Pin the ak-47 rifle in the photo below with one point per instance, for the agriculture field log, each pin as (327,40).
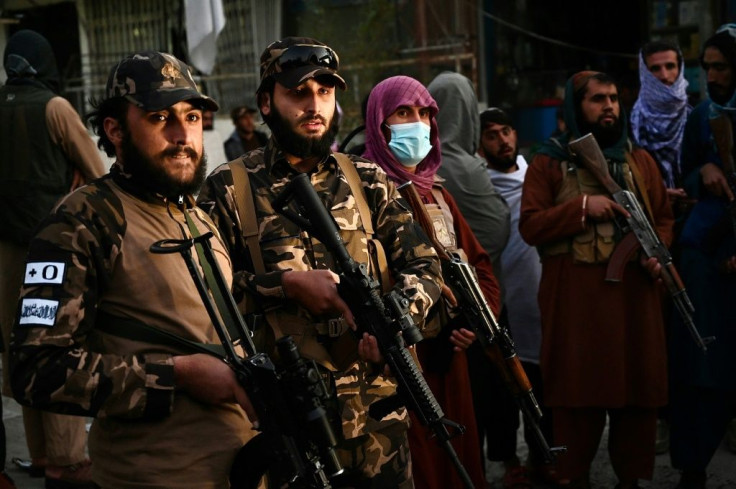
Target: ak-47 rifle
(296,444)
(589,154)
(722,129)
(386,318)
(495,340)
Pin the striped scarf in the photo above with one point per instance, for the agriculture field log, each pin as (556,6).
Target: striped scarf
(658,120)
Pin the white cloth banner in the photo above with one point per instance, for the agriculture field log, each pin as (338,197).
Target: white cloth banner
(205,19)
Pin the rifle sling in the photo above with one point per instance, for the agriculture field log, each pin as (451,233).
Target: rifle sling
(247,213)
(217,294)
(132,329)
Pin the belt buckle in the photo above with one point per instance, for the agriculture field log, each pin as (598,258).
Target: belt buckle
(335,327)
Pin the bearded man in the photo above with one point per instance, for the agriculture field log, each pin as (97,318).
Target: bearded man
(287,275)
(90,275)
(659,114)
(603,343)
(500,419)
(703,397)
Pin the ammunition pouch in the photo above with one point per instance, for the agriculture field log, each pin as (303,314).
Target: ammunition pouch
(444,229)
(330,343)
(595,244)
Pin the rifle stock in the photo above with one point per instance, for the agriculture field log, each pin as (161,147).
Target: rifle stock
(385,318)
(495,340)
(588,153)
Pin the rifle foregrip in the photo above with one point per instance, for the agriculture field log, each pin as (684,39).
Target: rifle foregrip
(425,405)
(676,280)
(522,382)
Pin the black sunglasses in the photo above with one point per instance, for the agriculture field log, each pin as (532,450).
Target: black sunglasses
(300,55)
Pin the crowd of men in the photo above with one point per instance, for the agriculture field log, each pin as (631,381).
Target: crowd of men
(120,281)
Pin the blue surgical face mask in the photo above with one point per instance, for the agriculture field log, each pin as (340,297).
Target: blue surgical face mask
(410,142)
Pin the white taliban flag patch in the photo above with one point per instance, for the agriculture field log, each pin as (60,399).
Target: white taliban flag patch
(38,312)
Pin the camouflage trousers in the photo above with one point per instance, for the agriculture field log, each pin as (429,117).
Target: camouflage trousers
(377,460)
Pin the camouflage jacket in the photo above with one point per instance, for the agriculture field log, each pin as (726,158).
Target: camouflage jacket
(92,255)
(284,246)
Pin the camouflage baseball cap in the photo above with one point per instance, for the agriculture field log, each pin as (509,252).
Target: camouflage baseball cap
(153,81)
(293,60)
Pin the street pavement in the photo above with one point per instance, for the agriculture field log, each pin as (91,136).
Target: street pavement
(722,470)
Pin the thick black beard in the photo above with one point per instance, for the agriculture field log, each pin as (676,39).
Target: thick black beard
(605,135)
(295,144)
(152,177)
(502,164)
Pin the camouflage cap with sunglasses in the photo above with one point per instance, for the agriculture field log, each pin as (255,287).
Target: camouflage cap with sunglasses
(153,81)
(294,60)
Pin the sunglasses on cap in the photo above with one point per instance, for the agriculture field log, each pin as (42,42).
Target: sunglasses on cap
(300,55)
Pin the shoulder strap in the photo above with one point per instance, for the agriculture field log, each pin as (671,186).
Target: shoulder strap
(247,213)
(375,249)
(437,194)
(351,174)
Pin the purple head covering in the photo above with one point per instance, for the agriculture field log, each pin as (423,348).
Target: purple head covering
(384,99)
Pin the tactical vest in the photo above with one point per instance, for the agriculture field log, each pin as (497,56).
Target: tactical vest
(325,342)
(444,230)
(442,221)
(34,172)
(595,244)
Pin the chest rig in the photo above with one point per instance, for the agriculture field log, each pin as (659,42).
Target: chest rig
(444,229)
(596,242)
(327,341)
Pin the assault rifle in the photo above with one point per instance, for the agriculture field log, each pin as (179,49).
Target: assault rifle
(590,156)
(296,439)
(387,318)
(495,340)
(722,129)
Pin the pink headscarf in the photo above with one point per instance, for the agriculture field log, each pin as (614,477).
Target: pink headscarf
(384,99)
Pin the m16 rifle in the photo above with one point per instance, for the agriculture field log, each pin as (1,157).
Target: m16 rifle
(495,340)
(386,318)
(589,154)
(296,445)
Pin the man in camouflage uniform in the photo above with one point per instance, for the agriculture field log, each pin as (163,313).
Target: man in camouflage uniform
(89,275)
(297,287)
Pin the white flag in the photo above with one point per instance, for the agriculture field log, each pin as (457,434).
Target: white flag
(205,20)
